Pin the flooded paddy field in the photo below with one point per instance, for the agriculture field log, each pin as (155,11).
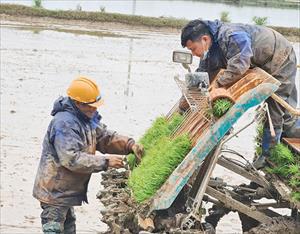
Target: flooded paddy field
(135,73)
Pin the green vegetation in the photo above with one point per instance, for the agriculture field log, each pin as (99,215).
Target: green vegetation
(287,166)
(162,22)
(260,20)
(37,3)
(263,3)
(221,106)
(160,128)
(102,9)
(162,156)
(281,154)
(294,169)
(295,180)
(296,196)
(13,9)
(282,170)
(225,17)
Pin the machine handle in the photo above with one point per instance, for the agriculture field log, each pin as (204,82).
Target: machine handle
(292,110)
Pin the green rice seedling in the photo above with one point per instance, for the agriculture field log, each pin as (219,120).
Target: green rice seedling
(131,160)
(287,163)
(260,20)
(295,182)
(258,150)
(157,165)
(225,17)
(175,121)
(282,171)
(294,169)
(37,3)
(160,128)
(102,9)
(296,196)
(221,106)
(281,155)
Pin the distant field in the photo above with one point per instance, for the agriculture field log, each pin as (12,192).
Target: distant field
(161,22)
(268,3)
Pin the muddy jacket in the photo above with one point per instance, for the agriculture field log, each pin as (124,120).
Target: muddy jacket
(238,47)
(68,158)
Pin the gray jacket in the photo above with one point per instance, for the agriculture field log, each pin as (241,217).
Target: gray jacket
(238,47)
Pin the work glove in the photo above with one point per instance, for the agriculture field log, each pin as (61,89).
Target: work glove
(138,151)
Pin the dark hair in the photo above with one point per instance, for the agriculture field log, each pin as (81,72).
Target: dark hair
(193,30)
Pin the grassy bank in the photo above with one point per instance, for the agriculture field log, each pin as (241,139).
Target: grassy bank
(162,22)
(18,10)
(261,3)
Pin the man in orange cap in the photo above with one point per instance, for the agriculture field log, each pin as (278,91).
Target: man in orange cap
(68,157)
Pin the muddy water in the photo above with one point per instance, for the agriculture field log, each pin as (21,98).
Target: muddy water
(135,75)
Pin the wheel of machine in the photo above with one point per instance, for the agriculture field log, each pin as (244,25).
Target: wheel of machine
(278,225)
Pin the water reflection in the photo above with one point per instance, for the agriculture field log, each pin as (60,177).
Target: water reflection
(38,29)
(179,9)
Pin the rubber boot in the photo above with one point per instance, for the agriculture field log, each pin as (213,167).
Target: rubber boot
(260,162)
(267,142)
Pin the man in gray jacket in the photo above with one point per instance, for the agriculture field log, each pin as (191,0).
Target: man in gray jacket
(238,47)
(68,157)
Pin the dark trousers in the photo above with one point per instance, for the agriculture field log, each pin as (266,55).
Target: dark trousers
(284,123)
(281,118)
(58,219)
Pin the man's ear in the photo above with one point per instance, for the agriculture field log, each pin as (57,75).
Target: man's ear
(206,38)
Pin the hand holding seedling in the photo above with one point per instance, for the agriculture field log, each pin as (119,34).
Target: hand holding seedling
(138,151)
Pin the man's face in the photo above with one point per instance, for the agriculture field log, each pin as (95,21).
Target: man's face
(89,111)
(198,47)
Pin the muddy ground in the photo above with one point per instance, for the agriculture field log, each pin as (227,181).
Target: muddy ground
(135,73)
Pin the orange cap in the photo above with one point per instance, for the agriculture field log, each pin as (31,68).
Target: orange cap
(85,90)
